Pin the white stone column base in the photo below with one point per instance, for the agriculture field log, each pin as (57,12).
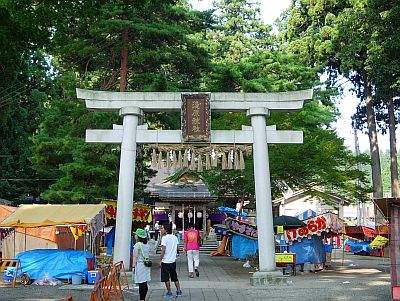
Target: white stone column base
(268,278)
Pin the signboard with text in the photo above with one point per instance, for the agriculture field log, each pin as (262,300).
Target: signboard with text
(285,258)
(241,228)
(196,117)
(316,225)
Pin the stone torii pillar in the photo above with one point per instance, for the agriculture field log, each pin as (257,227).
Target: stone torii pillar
(257,105)
(126,183)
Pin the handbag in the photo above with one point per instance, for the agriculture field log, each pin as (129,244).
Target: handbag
(146,261)
(199,240)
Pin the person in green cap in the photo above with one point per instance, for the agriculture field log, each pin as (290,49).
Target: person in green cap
(142,273)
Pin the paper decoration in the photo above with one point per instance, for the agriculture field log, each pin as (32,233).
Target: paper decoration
(199,214)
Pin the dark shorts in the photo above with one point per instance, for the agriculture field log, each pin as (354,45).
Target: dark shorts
(168,270)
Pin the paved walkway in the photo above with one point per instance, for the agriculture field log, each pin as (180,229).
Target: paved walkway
(223,279)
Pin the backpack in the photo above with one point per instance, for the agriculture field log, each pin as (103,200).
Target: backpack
(146,261)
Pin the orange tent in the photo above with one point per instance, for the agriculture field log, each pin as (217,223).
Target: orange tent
(44,237)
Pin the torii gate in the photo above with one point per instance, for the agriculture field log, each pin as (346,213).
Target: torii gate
(131,105)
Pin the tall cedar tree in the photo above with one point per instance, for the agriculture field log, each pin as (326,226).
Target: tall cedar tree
(159,54)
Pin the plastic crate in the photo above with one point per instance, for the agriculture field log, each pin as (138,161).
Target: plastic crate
(92,276)
(8,276)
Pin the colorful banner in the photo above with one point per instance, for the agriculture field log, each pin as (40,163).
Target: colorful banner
(241,228)
(316,225)
(78,231)
(140,213)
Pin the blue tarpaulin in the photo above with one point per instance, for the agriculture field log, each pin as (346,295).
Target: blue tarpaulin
(241,246)
(231,211)
(358,247)
(60,264)
(309,250)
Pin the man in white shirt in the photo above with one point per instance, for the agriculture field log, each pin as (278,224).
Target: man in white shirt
(169,247)
(156,230)
(147,230)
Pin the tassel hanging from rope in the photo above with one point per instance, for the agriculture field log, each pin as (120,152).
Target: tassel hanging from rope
(192,161)
(160,162)
(199,163)
(208,163)
(230,159)
(241,161)
(174,161)
(179,161)
(168,160)
(214,158)
(236,161)
(223,161)
(154,159)
(186,159)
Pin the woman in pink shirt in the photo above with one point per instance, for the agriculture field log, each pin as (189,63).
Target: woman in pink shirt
(191,249)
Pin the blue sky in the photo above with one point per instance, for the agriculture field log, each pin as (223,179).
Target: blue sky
(270,11)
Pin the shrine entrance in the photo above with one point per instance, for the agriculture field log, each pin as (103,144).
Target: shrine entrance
(195,110)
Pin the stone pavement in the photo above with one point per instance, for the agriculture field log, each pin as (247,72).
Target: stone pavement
(225,279)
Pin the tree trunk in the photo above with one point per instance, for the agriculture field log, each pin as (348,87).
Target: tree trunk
(123,81)
(373,140)
(394,175)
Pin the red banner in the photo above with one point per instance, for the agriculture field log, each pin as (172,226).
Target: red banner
(326,222)
(140,213)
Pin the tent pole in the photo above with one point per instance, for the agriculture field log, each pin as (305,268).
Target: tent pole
(25,238)
(343,250)
(14,240)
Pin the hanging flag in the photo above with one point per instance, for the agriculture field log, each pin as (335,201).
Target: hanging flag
(78,231)
(140,213)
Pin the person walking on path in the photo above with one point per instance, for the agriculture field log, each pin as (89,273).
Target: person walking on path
(156,231)
(191,249)
(147,229)
(169,247)
(142,274)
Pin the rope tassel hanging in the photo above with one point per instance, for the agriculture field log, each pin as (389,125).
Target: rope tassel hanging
(214,158)
(192,161)
(168,159)
(185,159)
(174,161)
(154,159)
(160,162)
(208,163)
(236,161)
(199,163)
(230,158)
(223,161)
(241,161)
(179,162)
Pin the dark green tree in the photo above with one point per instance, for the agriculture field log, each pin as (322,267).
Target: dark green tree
(120,45)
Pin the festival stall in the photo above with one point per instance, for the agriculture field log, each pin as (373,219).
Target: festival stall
(141,216)
(16,240)
(244,238)
(313,243)
(359,240)
(82,218)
